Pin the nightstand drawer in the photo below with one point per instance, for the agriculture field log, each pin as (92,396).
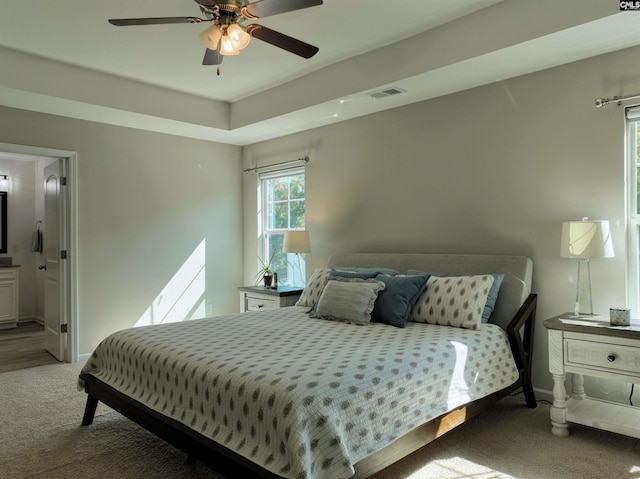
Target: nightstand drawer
(255,298)
(257,303)
(602,355)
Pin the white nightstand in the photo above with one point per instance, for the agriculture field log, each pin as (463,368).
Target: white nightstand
(254,298)
(589,346)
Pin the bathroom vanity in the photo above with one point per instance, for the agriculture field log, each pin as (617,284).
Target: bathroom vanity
(9,276)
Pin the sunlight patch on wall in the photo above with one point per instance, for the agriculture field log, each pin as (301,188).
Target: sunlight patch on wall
(183,296)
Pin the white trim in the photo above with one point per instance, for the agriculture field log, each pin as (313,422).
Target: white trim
(263,219)
(543,395)
(632,219)
(633,113)
(71,233)
(82,358)
(268,175)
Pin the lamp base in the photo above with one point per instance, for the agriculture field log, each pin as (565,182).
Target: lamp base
(584,303)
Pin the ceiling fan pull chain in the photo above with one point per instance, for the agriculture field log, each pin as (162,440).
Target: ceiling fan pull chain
(218,70)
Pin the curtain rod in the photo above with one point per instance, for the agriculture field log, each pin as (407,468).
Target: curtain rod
(305,159)
(600,102)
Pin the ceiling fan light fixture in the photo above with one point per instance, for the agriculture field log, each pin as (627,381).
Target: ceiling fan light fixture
(211,36)
(239,38)
(227,33)
(227,47)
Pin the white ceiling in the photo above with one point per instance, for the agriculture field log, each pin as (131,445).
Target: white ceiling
(426,47)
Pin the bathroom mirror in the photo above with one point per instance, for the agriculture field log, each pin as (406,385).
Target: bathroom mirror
(3,221)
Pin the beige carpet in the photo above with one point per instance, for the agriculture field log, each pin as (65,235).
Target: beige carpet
(41,437)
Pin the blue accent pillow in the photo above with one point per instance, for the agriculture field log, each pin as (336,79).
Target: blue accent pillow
(352,274)
(491,298)
(396,300)
(359,269)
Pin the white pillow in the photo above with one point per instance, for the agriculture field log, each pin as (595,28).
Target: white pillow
(348,299)
(314,287)
(453,301)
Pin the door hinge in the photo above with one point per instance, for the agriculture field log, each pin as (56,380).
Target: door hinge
(63,328)
(63,181)
(63,254)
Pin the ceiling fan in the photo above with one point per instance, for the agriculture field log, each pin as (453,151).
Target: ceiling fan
(227,33)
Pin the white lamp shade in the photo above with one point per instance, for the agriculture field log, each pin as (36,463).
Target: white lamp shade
(296,242)
(210,37)
(239,38)
(227,46)
(586,239)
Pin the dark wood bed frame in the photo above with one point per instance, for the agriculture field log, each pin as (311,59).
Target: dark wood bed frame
(227,462)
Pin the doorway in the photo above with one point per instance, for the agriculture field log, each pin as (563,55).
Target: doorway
(61,263)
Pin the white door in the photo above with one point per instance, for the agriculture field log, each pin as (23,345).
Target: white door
(54,288)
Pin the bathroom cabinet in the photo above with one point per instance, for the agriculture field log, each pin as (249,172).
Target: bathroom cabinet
(9,297)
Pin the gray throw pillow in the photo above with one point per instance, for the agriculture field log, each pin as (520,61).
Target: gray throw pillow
(348,299)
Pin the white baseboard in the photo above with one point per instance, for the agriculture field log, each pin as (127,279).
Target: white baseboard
(26,319)
(83,358)
(543,395)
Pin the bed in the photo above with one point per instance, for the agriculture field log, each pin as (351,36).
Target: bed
(286,393)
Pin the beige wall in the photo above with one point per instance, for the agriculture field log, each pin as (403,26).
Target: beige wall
(151,208)
(495,169)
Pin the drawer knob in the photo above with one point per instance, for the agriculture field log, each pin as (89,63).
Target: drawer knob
(611,358)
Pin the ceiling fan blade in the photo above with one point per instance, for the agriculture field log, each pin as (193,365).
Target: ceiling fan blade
(212,57)
(282,41)
(126,22)
(266,8)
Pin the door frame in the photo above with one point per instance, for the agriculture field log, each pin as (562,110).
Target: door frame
(70,227)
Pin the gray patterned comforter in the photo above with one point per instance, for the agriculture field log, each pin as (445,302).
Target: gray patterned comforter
(302,397)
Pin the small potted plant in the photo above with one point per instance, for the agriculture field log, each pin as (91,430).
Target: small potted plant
(265,272)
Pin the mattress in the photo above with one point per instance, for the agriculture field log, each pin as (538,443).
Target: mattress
(303,397)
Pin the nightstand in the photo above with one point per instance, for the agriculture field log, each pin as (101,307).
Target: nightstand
(590,346)
(254,298)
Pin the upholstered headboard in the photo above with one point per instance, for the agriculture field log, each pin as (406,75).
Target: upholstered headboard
(515,287)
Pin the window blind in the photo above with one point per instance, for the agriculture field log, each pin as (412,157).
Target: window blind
(281,172)
(633,113)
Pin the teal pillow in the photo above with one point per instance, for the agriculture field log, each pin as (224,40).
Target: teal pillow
(339,273)
(491,298)
(360,269)
(395,301)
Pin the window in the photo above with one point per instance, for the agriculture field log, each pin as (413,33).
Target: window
(633,208)
(282,208)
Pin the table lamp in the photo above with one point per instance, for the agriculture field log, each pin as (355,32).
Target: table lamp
(584,240)
(297,241)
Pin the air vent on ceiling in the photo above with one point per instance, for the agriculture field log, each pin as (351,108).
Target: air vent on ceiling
(394,90)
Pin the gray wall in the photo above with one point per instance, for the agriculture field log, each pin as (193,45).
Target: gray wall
(493,170)
(155,212)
